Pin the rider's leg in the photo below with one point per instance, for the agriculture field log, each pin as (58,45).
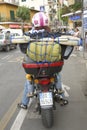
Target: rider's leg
(28,88)
(59,85)
(62,99)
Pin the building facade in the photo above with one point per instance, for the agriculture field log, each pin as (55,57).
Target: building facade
(50,7)
(74,17)
(7,11)
(8,16)
(47,6)
(11,1)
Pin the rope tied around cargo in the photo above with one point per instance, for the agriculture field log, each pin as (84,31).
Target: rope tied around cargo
(44,51)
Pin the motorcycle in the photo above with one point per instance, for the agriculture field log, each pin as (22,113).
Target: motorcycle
(43,77)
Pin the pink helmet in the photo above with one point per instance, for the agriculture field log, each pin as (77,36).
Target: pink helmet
(40,19)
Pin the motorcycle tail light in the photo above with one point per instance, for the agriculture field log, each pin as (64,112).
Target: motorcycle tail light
(44,81)
(36,81)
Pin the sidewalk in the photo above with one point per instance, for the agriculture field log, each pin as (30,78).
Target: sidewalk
(83,61)
(83,56)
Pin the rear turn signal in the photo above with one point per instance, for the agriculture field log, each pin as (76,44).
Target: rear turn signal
(52,80)
(36,81)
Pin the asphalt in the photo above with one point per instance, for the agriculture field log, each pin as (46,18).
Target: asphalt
(73,116)
(74,112)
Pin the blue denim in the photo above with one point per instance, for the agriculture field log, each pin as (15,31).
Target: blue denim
(59,83)
(29,88)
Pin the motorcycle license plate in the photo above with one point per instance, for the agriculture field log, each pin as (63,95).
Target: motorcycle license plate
(46,98)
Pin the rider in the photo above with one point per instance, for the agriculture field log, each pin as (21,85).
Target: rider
(40,22)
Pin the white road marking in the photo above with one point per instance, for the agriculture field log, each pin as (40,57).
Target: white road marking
(22,114)
(5,57)
(9,56)
(8,115)
(65,88)
(74,55)
(18,59)
(20,118)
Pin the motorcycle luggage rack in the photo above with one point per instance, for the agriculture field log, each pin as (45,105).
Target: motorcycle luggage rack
(37,68)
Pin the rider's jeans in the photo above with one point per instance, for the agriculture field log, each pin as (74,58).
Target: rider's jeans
(59,83)
(29,88)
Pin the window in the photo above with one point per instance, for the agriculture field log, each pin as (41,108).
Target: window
(32,7)
(23,0)
(49,0)
(12,16)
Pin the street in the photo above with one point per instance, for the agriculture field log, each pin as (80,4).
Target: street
(12,78)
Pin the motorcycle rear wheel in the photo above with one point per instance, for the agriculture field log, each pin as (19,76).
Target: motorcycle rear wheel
(47,117)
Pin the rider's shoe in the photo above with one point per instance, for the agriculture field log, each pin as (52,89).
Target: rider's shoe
(63,102)
(20,105)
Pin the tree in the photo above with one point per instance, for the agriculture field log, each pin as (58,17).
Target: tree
(23,13)
(71,9)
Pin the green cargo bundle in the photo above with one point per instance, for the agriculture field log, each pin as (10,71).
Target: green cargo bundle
(44,51)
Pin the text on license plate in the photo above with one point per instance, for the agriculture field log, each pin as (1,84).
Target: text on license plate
(46,98)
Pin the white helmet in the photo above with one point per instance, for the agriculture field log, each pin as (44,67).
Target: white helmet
(40,19)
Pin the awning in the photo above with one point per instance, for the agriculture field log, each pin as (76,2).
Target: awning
(14,26)
(19,26)
(2,27)
(69,14)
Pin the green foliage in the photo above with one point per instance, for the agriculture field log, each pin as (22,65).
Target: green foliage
(71,8)
(65,20)
(23,13)
(65,10)
(76,6)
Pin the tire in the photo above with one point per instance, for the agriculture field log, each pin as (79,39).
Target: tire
(47,117)
(7,48)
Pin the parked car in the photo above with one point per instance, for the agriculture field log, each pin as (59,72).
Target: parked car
(14,34)
(5,42)
(13,31)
